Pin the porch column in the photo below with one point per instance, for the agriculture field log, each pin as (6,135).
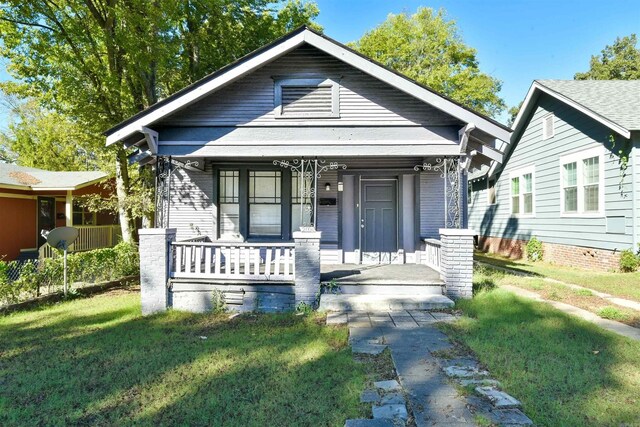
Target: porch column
(155,257)
(307,266)
(68,209)
(456,261)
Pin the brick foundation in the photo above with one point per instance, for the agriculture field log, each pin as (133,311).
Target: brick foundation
(572,256)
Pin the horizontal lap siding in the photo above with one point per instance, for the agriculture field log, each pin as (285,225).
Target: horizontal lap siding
(574,132)
(328,215)
(192,208)
(431,204)
(363,99)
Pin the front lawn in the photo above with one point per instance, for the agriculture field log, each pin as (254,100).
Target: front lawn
(624,285)
(566,371)
(97,361)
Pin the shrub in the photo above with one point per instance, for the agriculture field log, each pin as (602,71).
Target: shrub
(30,279)
(628,261)
(535,251)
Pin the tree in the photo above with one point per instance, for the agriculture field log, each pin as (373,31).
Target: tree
(48,140)
(513,113)
(620,61)
(429,49)
(98,62)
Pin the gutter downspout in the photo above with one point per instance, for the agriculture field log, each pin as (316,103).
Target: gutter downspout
(634,204)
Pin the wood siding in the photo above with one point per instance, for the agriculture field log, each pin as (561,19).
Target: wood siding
(192,209)
(431,204)
(18,231)
(574,132)
(363,99)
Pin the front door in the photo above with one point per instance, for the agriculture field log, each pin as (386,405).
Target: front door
(379,221)
(46,217)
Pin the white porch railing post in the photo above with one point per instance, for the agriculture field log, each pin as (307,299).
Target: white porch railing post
(307,266)
(456,261)
(155,263)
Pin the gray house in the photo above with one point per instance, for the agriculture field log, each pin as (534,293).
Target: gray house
(300,159)
(571,176)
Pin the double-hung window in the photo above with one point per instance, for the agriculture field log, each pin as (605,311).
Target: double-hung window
(229,195)
(582,181)
(265,211)
(522,194)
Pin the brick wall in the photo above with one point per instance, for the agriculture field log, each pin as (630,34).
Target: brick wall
(572,256)
(456,261)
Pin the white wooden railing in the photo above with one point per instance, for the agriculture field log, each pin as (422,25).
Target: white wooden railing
(431,254)
(89,237)
(233,261)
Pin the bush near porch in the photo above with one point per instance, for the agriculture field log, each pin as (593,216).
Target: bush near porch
(19,282)
(97,361)
(565,371)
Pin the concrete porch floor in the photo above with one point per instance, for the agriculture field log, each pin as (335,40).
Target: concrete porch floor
(380,274)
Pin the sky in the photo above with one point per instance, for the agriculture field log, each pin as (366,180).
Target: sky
(517,40)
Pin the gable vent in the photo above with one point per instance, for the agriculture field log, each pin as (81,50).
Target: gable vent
(302,100)
(548,126)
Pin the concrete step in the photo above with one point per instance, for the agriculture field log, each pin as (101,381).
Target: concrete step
(375,303)
(393,290)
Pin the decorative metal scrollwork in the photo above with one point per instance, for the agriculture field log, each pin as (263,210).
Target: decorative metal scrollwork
(165,168)
(309,171)
(450,171)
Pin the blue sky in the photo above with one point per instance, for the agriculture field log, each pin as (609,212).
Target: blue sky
(517,40)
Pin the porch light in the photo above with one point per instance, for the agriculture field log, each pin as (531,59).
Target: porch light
(327,187)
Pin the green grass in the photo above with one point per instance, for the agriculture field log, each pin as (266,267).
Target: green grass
(612,313)
(97,361)
(625,285)
(566,371)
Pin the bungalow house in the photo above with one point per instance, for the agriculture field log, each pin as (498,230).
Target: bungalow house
(571,176)
(35,200)
(300,159)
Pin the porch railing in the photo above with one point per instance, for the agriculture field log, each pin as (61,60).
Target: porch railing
(431,254)
(233,261)
(89,237)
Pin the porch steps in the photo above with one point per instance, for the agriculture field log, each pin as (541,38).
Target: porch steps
(393,290)
(375,303)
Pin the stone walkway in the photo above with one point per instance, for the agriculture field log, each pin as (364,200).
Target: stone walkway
(414,343)
(610,325)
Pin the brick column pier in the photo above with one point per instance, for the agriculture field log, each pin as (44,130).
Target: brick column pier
(154,268)
(307,274)
(456,261)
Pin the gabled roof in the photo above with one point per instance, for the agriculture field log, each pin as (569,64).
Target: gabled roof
(280,47)
(25,178)
(614,103)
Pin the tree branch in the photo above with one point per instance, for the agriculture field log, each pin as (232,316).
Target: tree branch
(27,24)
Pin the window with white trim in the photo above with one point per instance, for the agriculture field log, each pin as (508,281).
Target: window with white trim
(265,211)
(548,126)
(582,180)
(312,98)
(522,194)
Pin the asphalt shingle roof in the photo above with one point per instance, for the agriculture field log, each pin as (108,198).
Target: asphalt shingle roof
(615,100)
(38,178)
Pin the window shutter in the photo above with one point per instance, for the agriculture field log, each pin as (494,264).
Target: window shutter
(306,100)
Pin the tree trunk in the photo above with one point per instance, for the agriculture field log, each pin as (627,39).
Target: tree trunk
(122,190)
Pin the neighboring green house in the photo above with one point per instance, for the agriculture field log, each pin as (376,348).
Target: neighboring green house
(571,175)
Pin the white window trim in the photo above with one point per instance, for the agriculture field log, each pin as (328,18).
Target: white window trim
(279,82)
(578,158)
(495,191)
(518,173)
(544,126)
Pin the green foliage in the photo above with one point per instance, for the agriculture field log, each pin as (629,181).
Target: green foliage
(218,303)
(535,251)
(612,313)
(330,287)
(428,48)
(629,261)
(88,267)
(513,113)
(620,61)
(304,308)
